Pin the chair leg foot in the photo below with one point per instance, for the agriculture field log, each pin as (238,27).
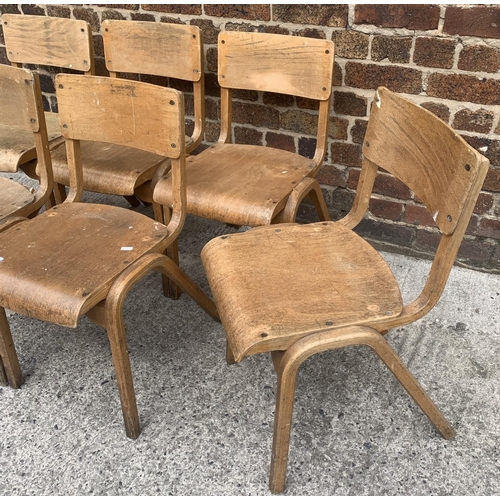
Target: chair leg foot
(287,376)
(9,363)
(121,361)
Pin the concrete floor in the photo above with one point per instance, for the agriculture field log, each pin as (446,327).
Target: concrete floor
(207,427)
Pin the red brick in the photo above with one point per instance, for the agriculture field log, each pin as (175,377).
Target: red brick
(489,228)
(299,121)
(332,176)
(252,12)
(212,85)
(395,78)
(348,103)
(171,20)
(318,15)
(304,103)
(3,56)
(342,201)
(277,30)
(58,11)
(188,9)
(386,232)
(7,8)
(245,95)
(98,45)
(358,131)
(256,115)
(386,209)
(464,88)
(337,75)
(434,52)
(244,135)
(212,131)
(124,6)
(427,241)
(311,33)
(484,203)
(307,147)
(212,59)
(280,100)
(112,14)
(475,250)
(474,121)
(492,151)
(479,58)
(418,214)
(211,109)
(478,21)
(337,128)
(32,10)
(385,184)
(395,49)
(346,154)
(492,181)
(280,141)
(413,17)
(350,44)
(472,225)
(440,110)
(140,16)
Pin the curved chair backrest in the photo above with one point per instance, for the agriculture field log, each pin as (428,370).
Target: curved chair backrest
(49,41)
(276,63)
(424,153)
(21,108)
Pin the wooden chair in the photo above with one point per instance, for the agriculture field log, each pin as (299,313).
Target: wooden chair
(21,114)
(250,185)
(81,258)
(297,290)
(159,49)
(46,41)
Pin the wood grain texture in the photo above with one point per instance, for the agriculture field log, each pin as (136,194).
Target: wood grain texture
(108,168)
(430,160)
(84,103)
(68,241)
(49,41)
(331,277)
(161,49)
(238,184)
(17,145)
(13,196)
(276,63)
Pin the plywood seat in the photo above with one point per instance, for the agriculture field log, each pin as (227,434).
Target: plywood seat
(239,184)
(108,168)
(341,280)
(89,245)
(13,197)
(17,146)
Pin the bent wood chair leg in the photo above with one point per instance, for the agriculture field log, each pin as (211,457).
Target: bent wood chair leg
(133,200)
(307,187)
(3,375)
(59,193)
(170,289)
(9,363)
(333,339)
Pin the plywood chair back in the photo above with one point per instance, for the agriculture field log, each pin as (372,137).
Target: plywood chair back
(297,66)
(159,49)
(441,169)
(44,41)
(152,119)
(48,41)
(21,109)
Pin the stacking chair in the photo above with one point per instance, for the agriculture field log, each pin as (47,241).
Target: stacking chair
(46,41)
(21,114)
(158,49)
(297,290)
(80,259)
(250,185)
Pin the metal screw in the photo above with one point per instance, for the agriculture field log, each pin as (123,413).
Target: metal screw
(82,30)
(61,86)
(65,126)
(171,103)
(84,294)
(32,120)
(264,334)
(327,51)
(195,71)
(173,145)
(388,313)
(324,89)
(222,41)
(467,167)
(367,144)
(223,76)
(27,82)
(106,29)
(329,323)
(85,61)
(278,230)
(194,36)
(449,218)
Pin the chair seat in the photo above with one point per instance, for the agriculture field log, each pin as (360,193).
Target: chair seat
(108,168)
(275,284)
(17,147)
(238,184)
(80,249)
(13,196)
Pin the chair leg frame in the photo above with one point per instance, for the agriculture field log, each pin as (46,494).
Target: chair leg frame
(9,364)
(116,328)
(288,363)
(307,187)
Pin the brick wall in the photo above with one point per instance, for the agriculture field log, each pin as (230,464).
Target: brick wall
(444,57)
